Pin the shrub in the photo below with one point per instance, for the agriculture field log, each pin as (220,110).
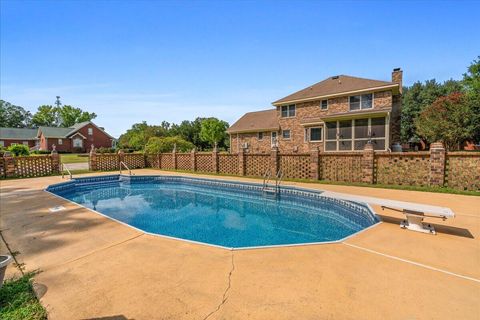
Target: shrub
(19,150)
(105,150)
(160,145)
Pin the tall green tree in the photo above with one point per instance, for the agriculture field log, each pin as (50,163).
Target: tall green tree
(69,115)
(13,116)
(46,116)
(138,135)
(213,131)
(450,119)
(471,82)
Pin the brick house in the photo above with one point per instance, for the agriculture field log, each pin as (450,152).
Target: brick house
(77,138)
(341,113)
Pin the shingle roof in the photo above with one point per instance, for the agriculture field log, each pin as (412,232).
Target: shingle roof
(334,86)
(79,125)
(54,132)
(18,133)
(256,121)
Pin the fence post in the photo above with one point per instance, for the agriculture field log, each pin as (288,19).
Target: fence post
(92,159)
(174,156)
(120,158)
(274,163)
(437,164)
(315,164)
(193,160)
(9,164)
(241,162)
(55,161)
(159,161)
(368,164)
(215,158)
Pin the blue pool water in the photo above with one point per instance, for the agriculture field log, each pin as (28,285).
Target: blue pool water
(227,214)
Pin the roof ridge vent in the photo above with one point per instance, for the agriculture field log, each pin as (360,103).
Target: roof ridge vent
(335,77)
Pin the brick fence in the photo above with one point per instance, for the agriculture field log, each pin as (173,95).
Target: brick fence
(33,166)
(458,170)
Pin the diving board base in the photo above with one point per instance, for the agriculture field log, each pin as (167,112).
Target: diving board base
(415,223)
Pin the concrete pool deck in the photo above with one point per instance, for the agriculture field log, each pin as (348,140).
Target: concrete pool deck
(93,267)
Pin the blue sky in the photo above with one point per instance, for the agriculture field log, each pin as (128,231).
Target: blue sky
(130,61)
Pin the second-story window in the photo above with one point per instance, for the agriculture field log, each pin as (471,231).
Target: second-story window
(90,131)
(286,134)
(288,111)
(364,101)
(324,105)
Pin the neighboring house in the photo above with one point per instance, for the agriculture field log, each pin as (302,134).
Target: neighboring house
(9,136)
(77,138)
(339,114)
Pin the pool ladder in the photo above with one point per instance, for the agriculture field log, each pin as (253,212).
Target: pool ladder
(269,188)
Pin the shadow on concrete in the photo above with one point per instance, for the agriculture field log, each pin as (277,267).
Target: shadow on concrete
(439,228)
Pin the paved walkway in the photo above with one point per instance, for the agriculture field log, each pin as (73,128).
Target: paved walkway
(93,267)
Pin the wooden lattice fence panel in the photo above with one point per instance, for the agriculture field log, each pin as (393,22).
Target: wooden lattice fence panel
(407,168)
(166,161)
(204,162)
(228,163)
(2,168)
(152,161)
(295,166)
(257,164)
(346,167)
(184,161)
(134,160)
(462,170)
(33,166)
(107,161)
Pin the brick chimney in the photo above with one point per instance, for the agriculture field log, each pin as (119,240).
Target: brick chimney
(397,77)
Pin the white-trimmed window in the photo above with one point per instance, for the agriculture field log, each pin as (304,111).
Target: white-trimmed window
(2,143)
(60,142)
(360,102)
(286,134)
(288,111)
(260,136)
(324,105)
(90,131)
(314,134)
(25,143)
(77,143)
(348,135)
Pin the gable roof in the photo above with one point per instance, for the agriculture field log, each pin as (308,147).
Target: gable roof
(54,132)
(333,86)
(256,121)
(18,133)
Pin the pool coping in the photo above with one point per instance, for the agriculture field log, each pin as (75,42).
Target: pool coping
(219,246)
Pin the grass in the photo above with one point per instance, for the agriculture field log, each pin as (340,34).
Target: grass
(18,301)
(354,184)
(73,158)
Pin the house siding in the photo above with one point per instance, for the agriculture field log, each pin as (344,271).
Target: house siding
(8,142)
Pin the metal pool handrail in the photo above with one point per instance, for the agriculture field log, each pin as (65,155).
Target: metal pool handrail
(278,179)
(64,167)
(125,165)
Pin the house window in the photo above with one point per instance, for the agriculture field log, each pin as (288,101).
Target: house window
(2,143)
(347,135)
(77,143)
(60,141)
(90,131)
(315,134)
(260,136)
(25,143)
(274,139)
(324,105)
(364,101)
(288,111)
(286,134)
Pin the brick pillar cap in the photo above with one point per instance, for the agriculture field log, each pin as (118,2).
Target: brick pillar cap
(437,145)
(121,151)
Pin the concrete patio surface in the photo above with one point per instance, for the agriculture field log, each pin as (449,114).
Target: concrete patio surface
(94,268)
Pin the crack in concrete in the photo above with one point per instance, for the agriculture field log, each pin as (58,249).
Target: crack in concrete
(12,253)
(225,297)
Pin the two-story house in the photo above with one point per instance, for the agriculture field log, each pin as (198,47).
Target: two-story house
(339,114)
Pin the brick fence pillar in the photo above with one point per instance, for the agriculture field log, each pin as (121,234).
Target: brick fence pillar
(193,159)
(174,156)
(215,158)
(315,164)
(159,161)
(120,158)
(274,163)
(437,164)
(9,164)
(368,164)
(92,159)
(241,162)
(55,161)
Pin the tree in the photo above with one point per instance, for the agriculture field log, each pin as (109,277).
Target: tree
(213,130)
(450,119)
(46,116)
(166,144)
(138,135)
(69,115)
(471,82)
(12,116)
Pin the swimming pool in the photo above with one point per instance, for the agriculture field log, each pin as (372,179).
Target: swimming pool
(217,212)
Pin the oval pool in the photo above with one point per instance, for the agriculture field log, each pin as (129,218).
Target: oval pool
(218,212)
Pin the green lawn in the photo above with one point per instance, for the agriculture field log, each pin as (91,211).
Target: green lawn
(18,302)
(73,157)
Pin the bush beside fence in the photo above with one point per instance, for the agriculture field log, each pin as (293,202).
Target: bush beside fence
(436,168)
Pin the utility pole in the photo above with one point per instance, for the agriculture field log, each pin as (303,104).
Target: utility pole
(58,103)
